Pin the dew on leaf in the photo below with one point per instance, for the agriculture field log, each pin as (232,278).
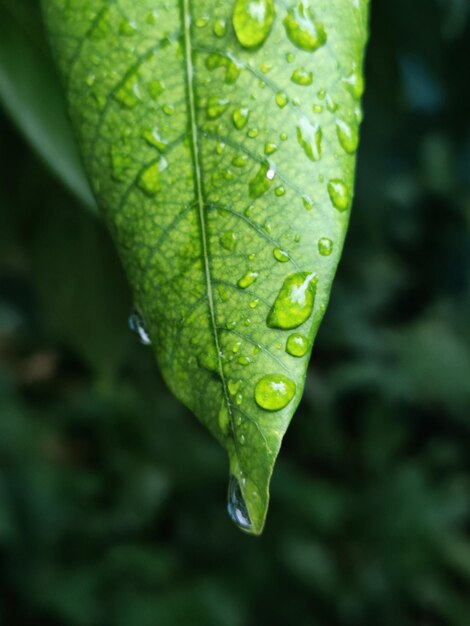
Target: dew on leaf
(262,181)
(294,303)
(216,107)
(354,83)
(155,88)
(128,95)
(297,345)
(240,160)
(309,137)
(244,360)
(274,392)
(252,21)
(153,138)
(307,202)
(220,27)
(339,194)
(281,99)
(280,255)
(280,191)
(149,180)
(236,506)
(232,67)
(228,240)
(224,419)
(252,133)
(240,117)
(247,279)
(303,29)
(302,77)
(137,325)
(325,246)
(348,136)
(168,109)
(270,148)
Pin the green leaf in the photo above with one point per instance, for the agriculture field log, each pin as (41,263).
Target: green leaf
(220,140)
(31,94)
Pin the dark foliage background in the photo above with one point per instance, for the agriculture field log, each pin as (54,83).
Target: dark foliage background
(112,495)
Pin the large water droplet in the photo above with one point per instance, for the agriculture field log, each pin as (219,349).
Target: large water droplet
(348,136)
(137,325)
(262,180)
(236,505)
(294,303)
(303,29)
(297,345)
(274,391)
(252,21)
(339,194)
(309,137)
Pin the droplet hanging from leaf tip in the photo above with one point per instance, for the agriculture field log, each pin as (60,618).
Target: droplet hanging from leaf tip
(236,506)
(137,325)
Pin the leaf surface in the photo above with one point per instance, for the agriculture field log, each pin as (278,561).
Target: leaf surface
(220,139)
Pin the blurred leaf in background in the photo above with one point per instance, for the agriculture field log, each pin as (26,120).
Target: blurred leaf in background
(109,492)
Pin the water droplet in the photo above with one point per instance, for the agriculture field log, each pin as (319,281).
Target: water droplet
(216,107)
(309,137)
(228,240)
(220,147)
(220,27)
(307,202)
(201,21)
(223,293)
(274,391)
(233,386)
(127,27)
(270,148)
(281,255)
(290,57)
(240,117)
(325,246)
(137,325)
(348,136)
(153,138)
(265,67)
(236,506)
(317,108)
(247,280)
(281,99)
(339,194)
(331,105)
(121,162)
(294,303)
(149,180)
(236,346)
(302,29)
(232,67)
(302,77)
(244,360)
(297,345)
(262,180)
(240,160)
(128,95)
(168,109)
(155,88)
(252,21)
(354,83)
(224,419)
(254,303)
(280,191)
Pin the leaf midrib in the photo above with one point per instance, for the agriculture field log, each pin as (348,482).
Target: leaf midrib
(186,17)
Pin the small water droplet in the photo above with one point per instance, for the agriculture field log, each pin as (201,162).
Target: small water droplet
(354,83)
(302,77)
(128,95)
(274,392)
(281,99)
(232,67)
(228,240)
(348,136)
(155,88)
(220,27)
(270,148)
(262,180)
(294,303)
(252,133)
(216,107)
(224,419)
(244,360)
(240,117)
(325,246)
(280,191)
(247,280)
(149,180)
(236,506)
(303,29)
(309,137)
(240,160)
(307,202)
(265,67)
(168,109)
(331,105)
(153,138)
(127,27)
(202,21)
(137,325)
(280,255)
(252,21)
(339,194)
(297,345)
(233,386)
(254,303)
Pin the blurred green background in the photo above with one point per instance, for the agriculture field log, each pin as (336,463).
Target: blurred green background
(112,495)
